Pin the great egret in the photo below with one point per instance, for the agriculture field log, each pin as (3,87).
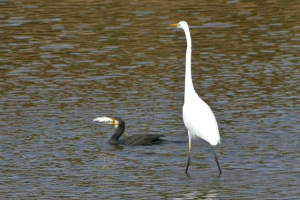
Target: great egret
(198,118)
(140,139)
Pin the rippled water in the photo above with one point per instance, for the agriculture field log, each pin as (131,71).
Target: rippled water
(63,63)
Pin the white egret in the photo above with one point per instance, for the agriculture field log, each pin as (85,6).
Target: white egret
(139,139)
(198,118)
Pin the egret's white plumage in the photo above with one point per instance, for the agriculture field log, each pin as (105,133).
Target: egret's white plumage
(197,115)
(203,125)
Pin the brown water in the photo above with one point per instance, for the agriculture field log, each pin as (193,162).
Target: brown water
(66,62)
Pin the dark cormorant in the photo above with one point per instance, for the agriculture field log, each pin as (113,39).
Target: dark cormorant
(139,139)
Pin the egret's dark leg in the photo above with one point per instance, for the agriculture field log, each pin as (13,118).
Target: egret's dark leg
(189,156)
(216,159)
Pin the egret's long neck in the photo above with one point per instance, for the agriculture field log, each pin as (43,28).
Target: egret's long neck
(189,88)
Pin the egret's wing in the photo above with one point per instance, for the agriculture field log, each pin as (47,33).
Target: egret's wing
(200,121)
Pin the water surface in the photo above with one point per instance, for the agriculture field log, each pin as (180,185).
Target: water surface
(63,63)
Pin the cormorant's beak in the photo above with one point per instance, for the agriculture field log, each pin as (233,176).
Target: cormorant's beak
(174,25)
(114,122)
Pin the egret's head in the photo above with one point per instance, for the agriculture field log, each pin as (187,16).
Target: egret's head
(110,120)
(181,25)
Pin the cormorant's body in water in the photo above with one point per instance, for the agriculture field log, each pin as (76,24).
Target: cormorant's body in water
(139,139)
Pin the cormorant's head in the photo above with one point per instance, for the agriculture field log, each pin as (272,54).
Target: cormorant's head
(110,120)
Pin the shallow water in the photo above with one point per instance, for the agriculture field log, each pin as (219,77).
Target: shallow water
(64,63)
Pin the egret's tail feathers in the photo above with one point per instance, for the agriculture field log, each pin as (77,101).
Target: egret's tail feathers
(103,119)
(215,142)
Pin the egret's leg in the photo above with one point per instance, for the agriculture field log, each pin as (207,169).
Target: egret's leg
(216,159)
(189,155)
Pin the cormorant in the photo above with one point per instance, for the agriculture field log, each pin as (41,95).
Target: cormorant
(139,139)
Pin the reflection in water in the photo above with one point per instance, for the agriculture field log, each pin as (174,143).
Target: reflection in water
(62,63)
(210,194)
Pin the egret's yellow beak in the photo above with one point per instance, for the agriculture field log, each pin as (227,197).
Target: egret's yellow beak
(174,25)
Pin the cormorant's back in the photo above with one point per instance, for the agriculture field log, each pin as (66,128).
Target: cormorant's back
(143,139)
